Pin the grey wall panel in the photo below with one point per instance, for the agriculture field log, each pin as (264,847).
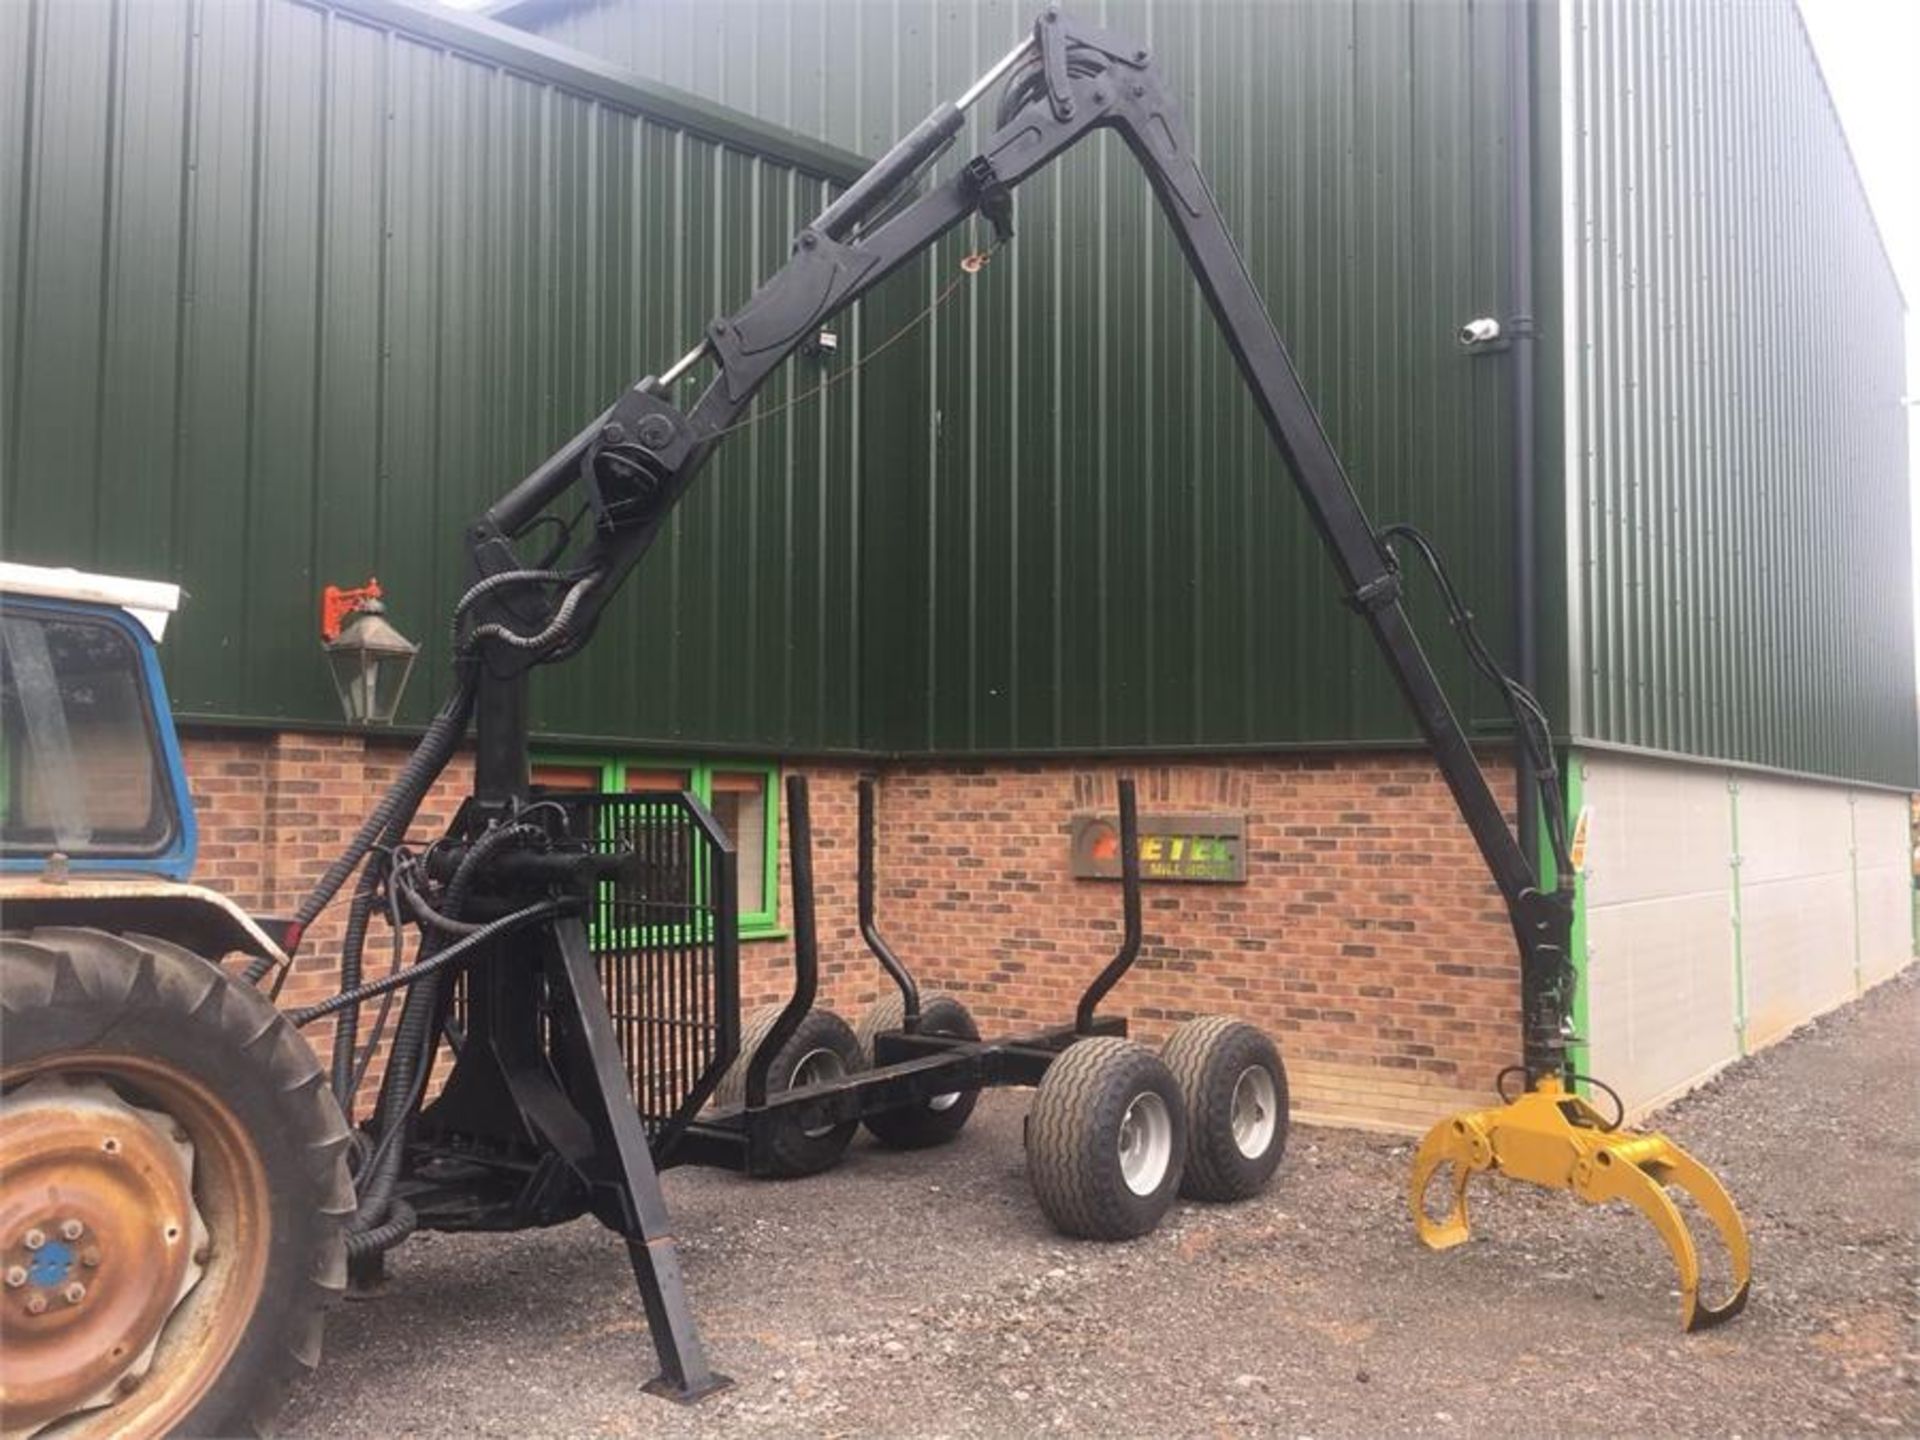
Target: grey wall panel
(1076,534)
(295,289)
(1739,522)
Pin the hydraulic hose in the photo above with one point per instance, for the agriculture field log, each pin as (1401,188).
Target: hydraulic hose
(414,1041)
(402,1223)
(500,581)
(346,1031)
(1533,734)
(470,937)
(555,629)
(402,799)
(427,915)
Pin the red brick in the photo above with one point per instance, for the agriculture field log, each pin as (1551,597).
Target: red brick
(1366,897)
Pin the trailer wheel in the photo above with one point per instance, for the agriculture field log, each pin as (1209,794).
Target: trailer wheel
(1106,1140)
(173,1182)
(939,1119)
(823,1048)
(1236,1089)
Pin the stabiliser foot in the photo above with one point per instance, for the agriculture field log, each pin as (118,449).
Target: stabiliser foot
(622,1145)
(1555,1139)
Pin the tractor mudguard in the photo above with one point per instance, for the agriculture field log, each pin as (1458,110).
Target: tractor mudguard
(1555,1139)
(204,921)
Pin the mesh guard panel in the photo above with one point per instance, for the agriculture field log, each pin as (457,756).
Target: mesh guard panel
(665,939)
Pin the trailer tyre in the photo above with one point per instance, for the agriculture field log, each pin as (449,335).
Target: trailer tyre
(1106,1140)
(941,1118)
(1236,1089)
(171,1144)
(823,1048)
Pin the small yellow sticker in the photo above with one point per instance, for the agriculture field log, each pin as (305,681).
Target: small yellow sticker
(1577,851)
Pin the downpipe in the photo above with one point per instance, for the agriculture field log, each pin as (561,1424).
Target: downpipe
(1522,332)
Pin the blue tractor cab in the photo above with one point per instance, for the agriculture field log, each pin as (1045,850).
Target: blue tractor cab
(90,765)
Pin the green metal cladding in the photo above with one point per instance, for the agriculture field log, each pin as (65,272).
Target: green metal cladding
(293,289)
(1078,535)
(1729,574)
(1736,445)
(299,288)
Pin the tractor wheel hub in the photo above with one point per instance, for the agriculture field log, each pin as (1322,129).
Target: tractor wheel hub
(100,1241)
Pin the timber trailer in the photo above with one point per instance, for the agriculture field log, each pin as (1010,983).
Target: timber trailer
(183,1187)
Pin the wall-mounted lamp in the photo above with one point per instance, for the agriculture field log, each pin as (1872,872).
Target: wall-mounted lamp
(370,660)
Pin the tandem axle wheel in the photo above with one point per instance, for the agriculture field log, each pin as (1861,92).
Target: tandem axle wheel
(1116,1132)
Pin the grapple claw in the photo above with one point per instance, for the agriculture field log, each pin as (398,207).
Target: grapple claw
(1461,1142)
(1637,1168)
(1554,1139)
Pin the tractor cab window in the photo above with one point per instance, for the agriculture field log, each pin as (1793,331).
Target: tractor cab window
(79,768)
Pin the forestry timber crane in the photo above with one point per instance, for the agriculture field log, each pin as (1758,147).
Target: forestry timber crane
(180,1182)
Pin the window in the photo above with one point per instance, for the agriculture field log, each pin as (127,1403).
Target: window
(738,799)
(78,766)
(742,797)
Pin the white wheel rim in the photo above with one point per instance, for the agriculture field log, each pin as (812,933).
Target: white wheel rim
(812,1068)
(1145,1143)
(1256,1111)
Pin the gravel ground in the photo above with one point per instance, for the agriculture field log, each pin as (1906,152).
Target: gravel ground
(924,1294)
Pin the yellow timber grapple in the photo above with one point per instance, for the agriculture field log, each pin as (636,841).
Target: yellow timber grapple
(1556,1139)
(1548,1134)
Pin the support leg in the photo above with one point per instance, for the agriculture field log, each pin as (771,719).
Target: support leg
(684,1374)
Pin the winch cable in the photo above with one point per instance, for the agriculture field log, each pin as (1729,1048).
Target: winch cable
(971,264)
(554,638)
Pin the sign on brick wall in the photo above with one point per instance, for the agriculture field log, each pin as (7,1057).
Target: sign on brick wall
(1206,848)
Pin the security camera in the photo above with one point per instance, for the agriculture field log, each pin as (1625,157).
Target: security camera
(1483,331)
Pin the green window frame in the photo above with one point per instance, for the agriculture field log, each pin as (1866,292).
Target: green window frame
(759,924)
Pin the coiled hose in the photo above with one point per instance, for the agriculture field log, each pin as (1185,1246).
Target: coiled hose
(414,1041)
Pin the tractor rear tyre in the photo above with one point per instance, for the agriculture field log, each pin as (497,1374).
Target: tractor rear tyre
(1106,1140)
(823,1048)
(1236,1089)
(173,1183)
(933,1121)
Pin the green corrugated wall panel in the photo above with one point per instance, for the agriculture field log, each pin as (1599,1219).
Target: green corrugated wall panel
(291,289)
(292,293)
(1735,431)
(1076,534)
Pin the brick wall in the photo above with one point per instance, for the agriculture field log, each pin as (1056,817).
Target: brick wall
(274,810)
(1368,940)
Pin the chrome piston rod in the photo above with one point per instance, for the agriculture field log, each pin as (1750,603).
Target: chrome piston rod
(888,174)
